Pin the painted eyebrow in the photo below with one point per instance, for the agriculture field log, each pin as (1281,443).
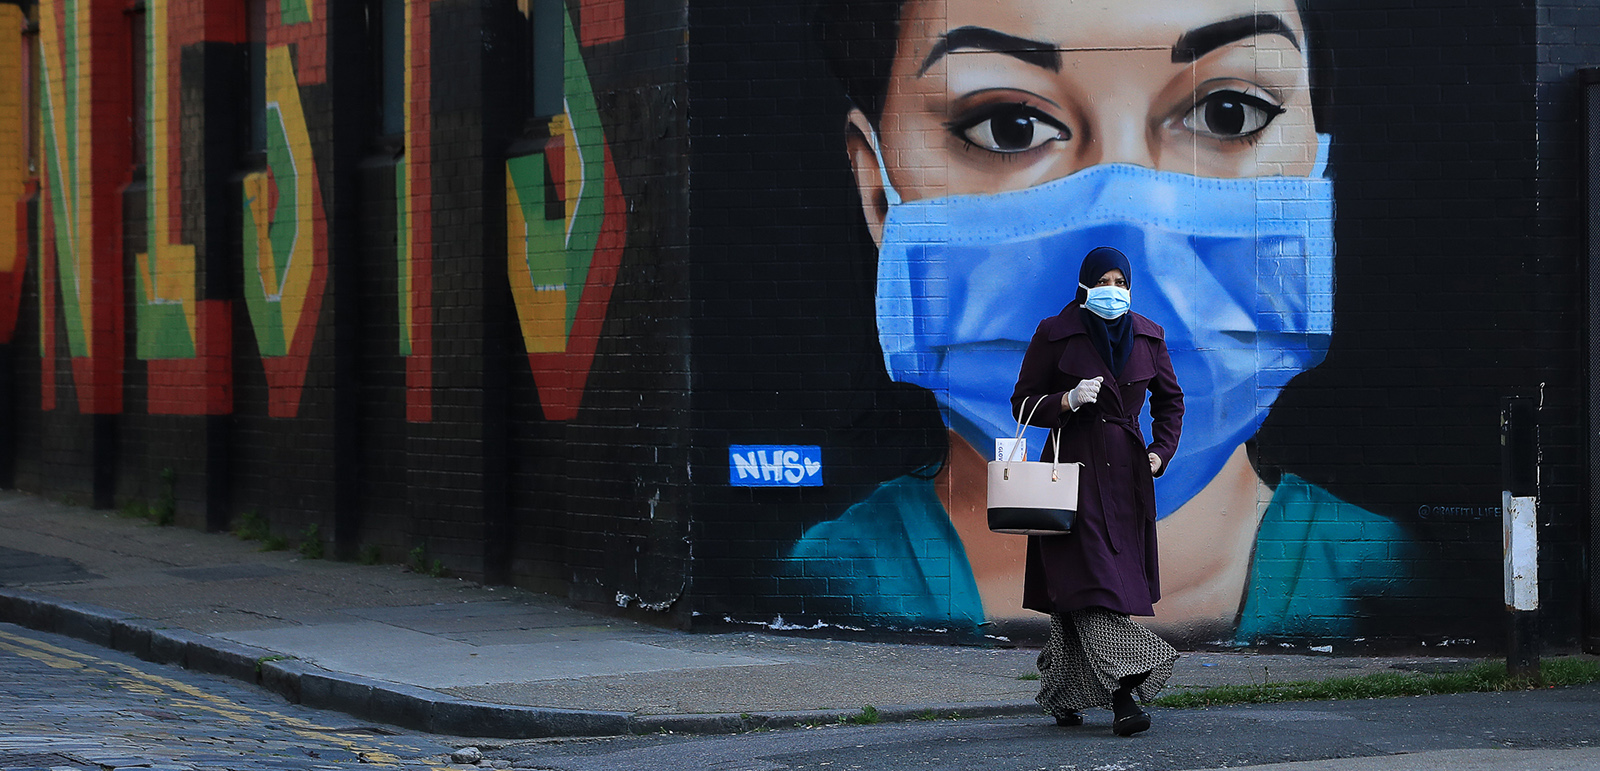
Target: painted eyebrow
(1203,40)
(1033,52)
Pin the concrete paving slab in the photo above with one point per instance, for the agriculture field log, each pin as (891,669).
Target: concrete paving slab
(228,572)
(466,617)
(385,652)
(550,634)
(816,685)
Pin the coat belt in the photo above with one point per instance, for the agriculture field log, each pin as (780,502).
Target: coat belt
(1130,424)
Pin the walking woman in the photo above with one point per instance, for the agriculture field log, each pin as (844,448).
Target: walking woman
(1087,369)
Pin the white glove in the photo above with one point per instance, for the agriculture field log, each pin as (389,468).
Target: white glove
(1086,392)
(1155,463)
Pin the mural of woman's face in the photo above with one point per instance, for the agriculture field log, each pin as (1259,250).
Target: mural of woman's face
(987,96)
(1018,134)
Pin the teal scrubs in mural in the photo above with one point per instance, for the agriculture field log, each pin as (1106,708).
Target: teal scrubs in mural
(899,558)
(1316,556)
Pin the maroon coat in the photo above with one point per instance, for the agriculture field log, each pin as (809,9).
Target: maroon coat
(1109,559)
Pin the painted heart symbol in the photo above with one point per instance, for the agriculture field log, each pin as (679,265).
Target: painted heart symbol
(812,467)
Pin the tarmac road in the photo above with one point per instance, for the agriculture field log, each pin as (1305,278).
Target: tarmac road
(1555,729)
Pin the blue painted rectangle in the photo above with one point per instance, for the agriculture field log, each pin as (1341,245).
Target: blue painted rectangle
(775,465)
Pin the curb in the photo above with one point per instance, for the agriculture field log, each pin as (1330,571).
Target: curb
(409,706)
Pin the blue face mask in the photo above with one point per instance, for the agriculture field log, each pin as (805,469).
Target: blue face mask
(1239,272)
(1107,302)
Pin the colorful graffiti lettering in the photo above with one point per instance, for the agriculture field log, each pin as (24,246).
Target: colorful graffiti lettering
(601,21)
(564,240)
(186,341)
(14,180)
(284,246)
(65,104)
(414,213)
(166,270)
(81,211)
(295,11)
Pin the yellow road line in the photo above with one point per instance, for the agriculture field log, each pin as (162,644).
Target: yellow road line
(42,645)
(149,684)
(45,658)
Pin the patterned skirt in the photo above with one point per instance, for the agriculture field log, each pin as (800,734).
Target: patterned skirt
(1089,651)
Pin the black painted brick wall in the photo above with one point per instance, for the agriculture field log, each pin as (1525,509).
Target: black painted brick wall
(742,313)
(589,508)
(1433,156)
(1568,40)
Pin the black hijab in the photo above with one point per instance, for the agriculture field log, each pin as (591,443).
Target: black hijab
(1113,339)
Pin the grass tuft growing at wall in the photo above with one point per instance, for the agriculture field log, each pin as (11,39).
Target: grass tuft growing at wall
(1481,678)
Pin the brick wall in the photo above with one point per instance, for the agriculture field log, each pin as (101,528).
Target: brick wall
(521,339)
(373,383)
(1453,143)
(1568,39)
(1434,160)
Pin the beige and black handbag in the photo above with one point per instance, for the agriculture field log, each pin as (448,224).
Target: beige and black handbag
(1033,497)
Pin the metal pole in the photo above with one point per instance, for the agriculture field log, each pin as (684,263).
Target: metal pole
(1519,473)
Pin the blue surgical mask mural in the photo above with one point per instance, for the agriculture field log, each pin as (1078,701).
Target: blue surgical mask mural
(988,164)
(1239,272)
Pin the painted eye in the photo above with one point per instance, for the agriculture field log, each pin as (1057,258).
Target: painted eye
(1012,128)
(1231,115)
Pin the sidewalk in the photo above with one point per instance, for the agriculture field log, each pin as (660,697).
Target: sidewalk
(452,657)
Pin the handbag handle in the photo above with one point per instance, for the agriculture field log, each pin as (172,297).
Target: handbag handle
(1022,426)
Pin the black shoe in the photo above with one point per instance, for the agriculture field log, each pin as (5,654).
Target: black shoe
(1131,723)
(1072,718)
(1128,718)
